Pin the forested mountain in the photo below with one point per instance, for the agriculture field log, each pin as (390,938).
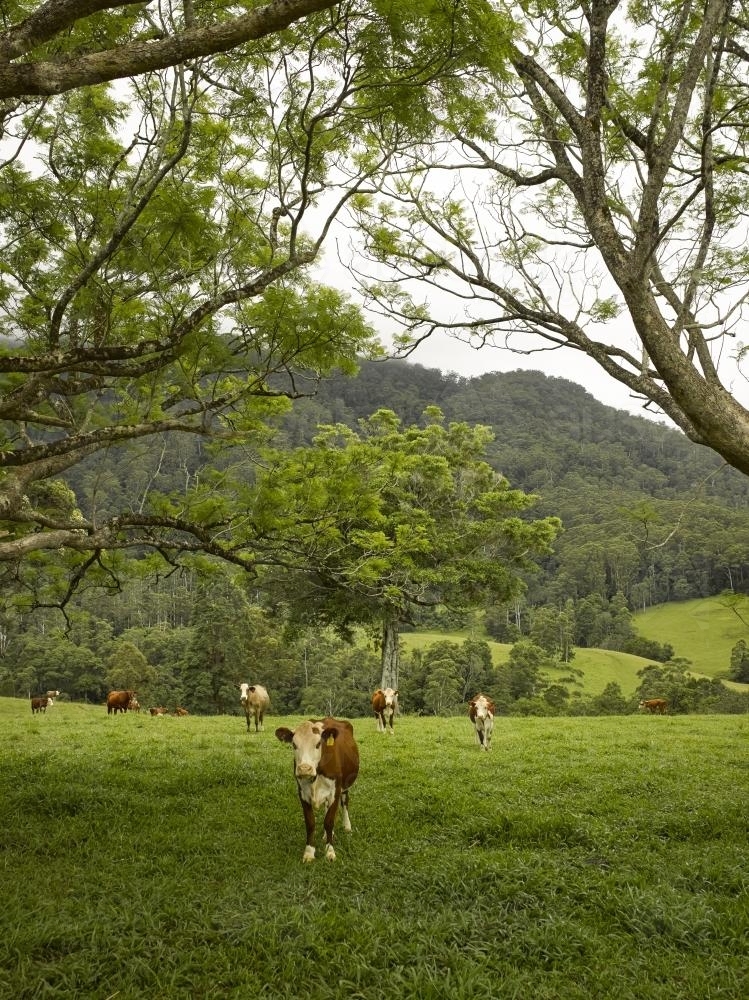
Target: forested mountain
(648,517)
(647,513)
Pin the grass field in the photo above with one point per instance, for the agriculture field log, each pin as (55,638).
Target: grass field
(704,631)
(580,858)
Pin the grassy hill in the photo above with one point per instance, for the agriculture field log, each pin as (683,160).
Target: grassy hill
(703,631)
(599,666)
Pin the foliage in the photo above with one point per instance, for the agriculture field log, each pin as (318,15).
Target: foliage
(586,192)
(156,280)
(380,522)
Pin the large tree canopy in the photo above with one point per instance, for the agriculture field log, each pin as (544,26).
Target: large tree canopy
(587,190)
(156,242)
(378,523)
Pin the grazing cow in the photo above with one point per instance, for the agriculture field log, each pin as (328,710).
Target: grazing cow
(481,713)
(180,711)
(326,763)
(255,701)
(158,711)
(119,701)
(384,704)
(39,705)
(656,706)
(134,705)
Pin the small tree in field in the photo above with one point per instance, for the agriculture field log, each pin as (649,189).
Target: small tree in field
(381,521)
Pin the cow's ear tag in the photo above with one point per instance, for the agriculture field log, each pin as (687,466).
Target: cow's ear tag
(330,741)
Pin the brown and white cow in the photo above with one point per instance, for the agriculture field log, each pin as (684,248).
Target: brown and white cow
(180,711)
(160,710)
(134,705)
(384,705)
(326,763)
(39,705)
(481,714)
(119,701)
(656,706)
(255,701)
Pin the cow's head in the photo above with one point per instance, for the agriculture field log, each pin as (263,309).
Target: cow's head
(391,697)
(308,741)
(481,707)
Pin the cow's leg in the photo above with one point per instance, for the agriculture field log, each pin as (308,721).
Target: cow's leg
(329,823)
(390,720)
(260,719)
(488,737)
(344,811)
(309,823)
(247,716)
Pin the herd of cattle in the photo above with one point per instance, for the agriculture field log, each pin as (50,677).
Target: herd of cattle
(326,756)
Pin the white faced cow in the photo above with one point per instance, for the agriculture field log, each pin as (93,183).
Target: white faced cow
(384,704)
(326,763)
(481,713)
(255,701)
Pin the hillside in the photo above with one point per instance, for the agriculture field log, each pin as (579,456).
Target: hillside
(598,667)
(703,631)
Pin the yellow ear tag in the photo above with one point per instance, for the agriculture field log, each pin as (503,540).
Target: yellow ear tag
(330,741)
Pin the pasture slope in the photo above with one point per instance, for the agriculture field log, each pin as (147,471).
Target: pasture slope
(594,668)
(703,631)
(581,859)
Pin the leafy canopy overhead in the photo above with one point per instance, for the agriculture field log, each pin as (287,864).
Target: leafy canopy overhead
(585,189)
(155,269)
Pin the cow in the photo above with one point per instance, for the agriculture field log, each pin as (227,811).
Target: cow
(656,706)
(39,705)
(481,714)
(158,711)
(326,763)
(255,701)
(134,705)
(119,701)
(384,705)
(180,711)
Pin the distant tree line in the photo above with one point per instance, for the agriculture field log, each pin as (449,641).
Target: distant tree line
(192,642)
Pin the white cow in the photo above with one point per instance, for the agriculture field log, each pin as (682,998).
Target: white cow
(481,713)
(255,701)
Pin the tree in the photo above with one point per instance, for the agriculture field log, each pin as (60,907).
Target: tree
(739,669)
(389,519)
(156,259)
(525,663)
(127,667)
(61,46)
(587,191)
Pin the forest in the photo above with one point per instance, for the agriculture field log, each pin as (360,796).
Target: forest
(646,517)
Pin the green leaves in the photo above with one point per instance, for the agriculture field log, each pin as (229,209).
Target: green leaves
(395,517)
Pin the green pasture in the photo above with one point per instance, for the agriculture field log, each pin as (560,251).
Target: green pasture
(160,858)
(704,631)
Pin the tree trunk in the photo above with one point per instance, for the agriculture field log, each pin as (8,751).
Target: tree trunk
(390,662)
